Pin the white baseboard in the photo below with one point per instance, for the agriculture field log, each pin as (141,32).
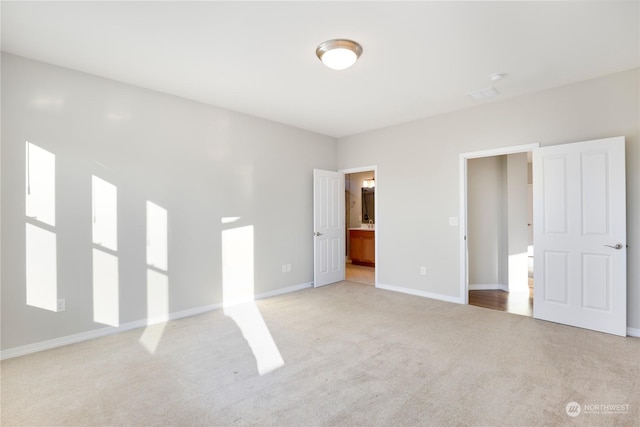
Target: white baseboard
(70,339)
(284,290)
(633,332)
(110,330)
(419,293)
(488,287)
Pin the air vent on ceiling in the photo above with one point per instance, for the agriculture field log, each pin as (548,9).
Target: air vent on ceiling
(488,92)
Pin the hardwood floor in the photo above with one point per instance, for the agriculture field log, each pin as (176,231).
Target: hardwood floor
(512,302)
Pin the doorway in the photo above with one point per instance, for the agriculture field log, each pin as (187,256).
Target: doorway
(361,225)
(497,227)
(580,232)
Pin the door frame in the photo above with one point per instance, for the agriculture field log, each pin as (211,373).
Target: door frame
(464,253)
(373,168)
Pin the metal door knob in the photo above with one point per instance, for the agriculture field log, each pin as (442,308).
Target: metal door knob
(317,233)
(617,246)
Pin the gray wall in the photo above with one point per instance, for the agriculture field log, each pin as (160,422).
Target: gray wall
(418,172)
(487,221)
(202,164)
(198,162)
(517,213)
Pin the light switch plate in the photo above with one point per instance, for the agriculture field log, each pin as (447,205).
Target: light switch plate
(453,221)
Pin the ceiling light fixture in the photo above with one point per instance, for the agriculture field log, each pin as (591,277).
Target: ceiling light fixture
(339,54)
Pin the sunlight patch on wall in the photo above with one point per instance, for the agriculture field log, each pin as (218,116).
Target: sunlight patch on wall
(229,219)
(40,184)
(157,277)
(40,236)
(237,265)
(106,293)
(105,213)
(157,236)
(157,297)
(106,296)
(41,264)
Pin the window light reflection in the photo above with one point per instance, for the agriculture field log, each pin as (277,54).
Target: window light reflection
(40,237)
(238,296)
(157,277)
(105,213)
(41,265)
(106,296)
(40,183)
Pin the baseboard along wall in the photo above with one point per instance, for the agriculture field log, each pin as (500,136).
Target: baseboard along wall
(110,330)
(489,287)
(419,293)
(101,332)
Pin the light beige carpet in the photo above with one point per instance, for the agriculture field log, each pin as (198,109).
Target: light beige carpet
(352,354)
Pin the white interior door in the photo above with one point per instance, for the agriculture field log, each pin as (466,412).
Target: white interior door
(580,251)
(328,223)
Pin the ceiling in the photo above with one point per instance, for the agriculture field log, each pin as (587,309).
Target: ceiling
(420,58)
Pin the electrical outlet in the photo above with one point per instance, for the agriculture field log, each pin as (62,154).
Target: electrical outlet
(61,305)
(423,271)
(284,268)
(288,268)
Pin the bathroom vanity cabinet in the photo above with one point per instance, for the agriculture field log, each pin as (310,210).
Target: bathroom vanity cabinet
(362,246)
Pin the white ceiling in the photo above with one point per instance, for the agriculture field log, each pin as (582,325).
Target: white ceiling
(420,58)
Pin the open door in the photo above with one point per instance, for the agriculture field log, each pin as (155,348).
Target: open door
(328,223)
(580,251)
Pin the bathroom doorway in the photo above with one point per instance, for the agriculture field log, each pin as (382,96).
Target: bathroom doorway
(360,225)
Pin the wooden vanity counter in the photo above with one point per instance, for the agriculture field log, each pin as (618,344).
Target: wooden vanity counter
(362,246)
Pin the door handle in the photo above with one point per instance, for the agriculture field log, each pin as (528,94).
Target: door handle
(617,246)
(317,234)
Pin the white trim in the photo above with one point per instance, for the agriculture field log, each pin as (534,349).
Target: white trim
(416,292)
(284,290)
(98,333)
(501,151)
(633,332)
(264,295)
(70,339)
(489,287)
(464,279)
(373,168)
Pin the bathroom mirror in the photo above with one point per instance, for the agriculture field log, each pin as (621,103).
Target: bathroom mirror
(368,205)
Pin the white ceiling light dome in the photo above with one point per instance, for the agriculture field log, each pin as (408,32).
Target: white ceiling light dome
(339,54)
